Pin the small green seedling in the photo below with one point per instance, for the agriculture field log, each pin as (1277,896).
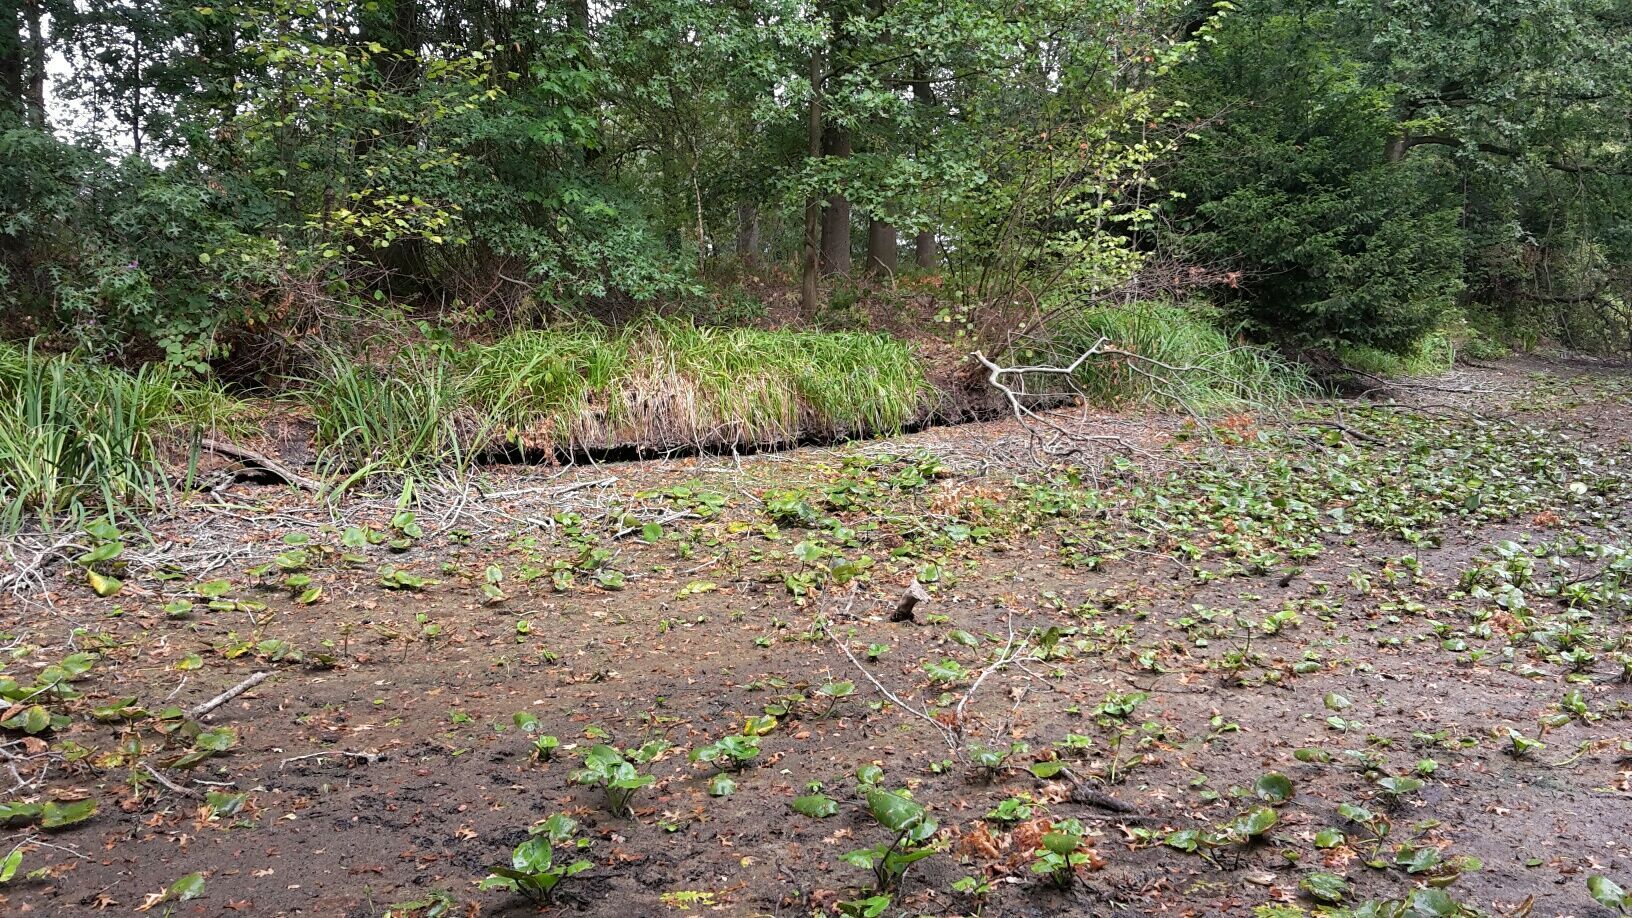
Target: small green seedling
(534,871)
(914,837)
(607,768)
(1061,853)
(730,753)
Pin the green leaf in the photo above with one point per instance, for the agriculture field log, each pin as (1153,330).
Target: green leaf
(721,785)
(533,856)
(1327,887)
(54,815)
(188,887)
(1433,903)
(102,584)
(1255,822)
(894,811)
(8,867)
(1047,769)
(816,806)
(1607,892)
(1273,788)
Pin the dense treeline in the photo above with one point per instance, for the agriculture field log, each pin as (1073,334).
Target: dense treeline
(186,179)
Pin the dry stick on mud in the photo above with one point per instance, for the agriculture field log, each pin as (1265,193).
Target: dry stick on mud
(168,784)
(204,709)
(954,734)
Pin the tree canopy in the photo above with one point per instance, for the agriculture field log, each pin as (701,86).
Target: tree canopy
(180,178)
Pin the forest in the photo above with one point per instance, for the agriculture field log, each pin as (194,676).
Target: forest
(816,457)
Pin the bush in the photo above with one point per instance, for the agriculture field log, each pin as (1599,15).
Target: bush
(1336,246)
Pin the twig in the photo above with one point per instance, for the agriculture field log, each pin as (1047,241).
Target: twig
(1003,659)
(228,695)
(946,733)
(368,757)
(168,784)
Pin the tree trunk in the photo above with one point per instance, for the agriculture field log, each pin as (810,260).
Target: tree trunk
(809,293)
(924,252)
(836,221)
(923,244)
(35,87)
(11,60)
(748,235)
(882,243)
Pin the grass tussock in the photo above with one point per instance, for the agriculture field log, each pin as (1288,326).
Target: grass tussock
(1433,355)
(80,438)
(1187,361)
(655,385)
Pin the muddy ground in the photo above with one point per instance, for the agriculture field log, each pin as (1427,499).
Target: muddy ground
(1322,595)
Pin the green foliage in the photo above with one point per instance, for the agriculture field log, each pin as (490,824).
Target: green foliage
(534,870)
(1180,359)
(78,437)
(1338,246)
(914,837)
(615,772)
(657,384)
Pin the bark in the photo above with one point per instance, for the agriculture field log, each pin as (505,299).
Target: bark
(923,244)
(836,220)
(925,252)
(809,292)
(882,244)
(748,235)
(35,87)
(11,60)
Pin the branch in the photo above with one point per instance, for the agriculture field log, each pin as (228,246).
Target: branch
(249,457)
(228,695)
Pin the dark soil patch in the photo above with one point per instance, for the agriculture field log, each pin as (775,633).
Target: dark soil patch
(1145,607)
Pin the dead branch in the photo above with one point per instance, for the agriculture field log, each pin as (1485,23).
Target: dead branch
(169,785)
(226,696)
(367,758)
(249,457)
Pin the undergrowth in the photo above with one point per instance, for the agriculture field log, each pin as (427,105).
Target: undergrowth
(1184,360)
(78,437)
(659,384)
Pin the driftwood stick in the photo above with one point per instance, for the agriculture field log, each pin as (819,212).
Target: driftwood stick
(170,785)
(366,757)
(251,458)
(228,695)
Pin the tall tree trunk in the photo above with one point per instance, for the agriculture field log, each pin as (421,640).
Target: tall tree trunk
(11,59)
(809,292)
(836,221)
(924,251)
(882,242)
(923,244)
(748,235)
(35,87)
(137,113)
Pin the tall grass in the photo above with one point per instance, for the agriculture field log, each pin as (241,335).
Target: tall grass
(1183,360)
(655,385)
(407,414)
(1432,355)
(81,438)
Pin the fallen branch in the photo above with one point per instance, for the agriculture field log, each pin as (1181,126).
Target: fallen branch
(249,457)
(368,758)
(168,784)
(947,734)
(228,695)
